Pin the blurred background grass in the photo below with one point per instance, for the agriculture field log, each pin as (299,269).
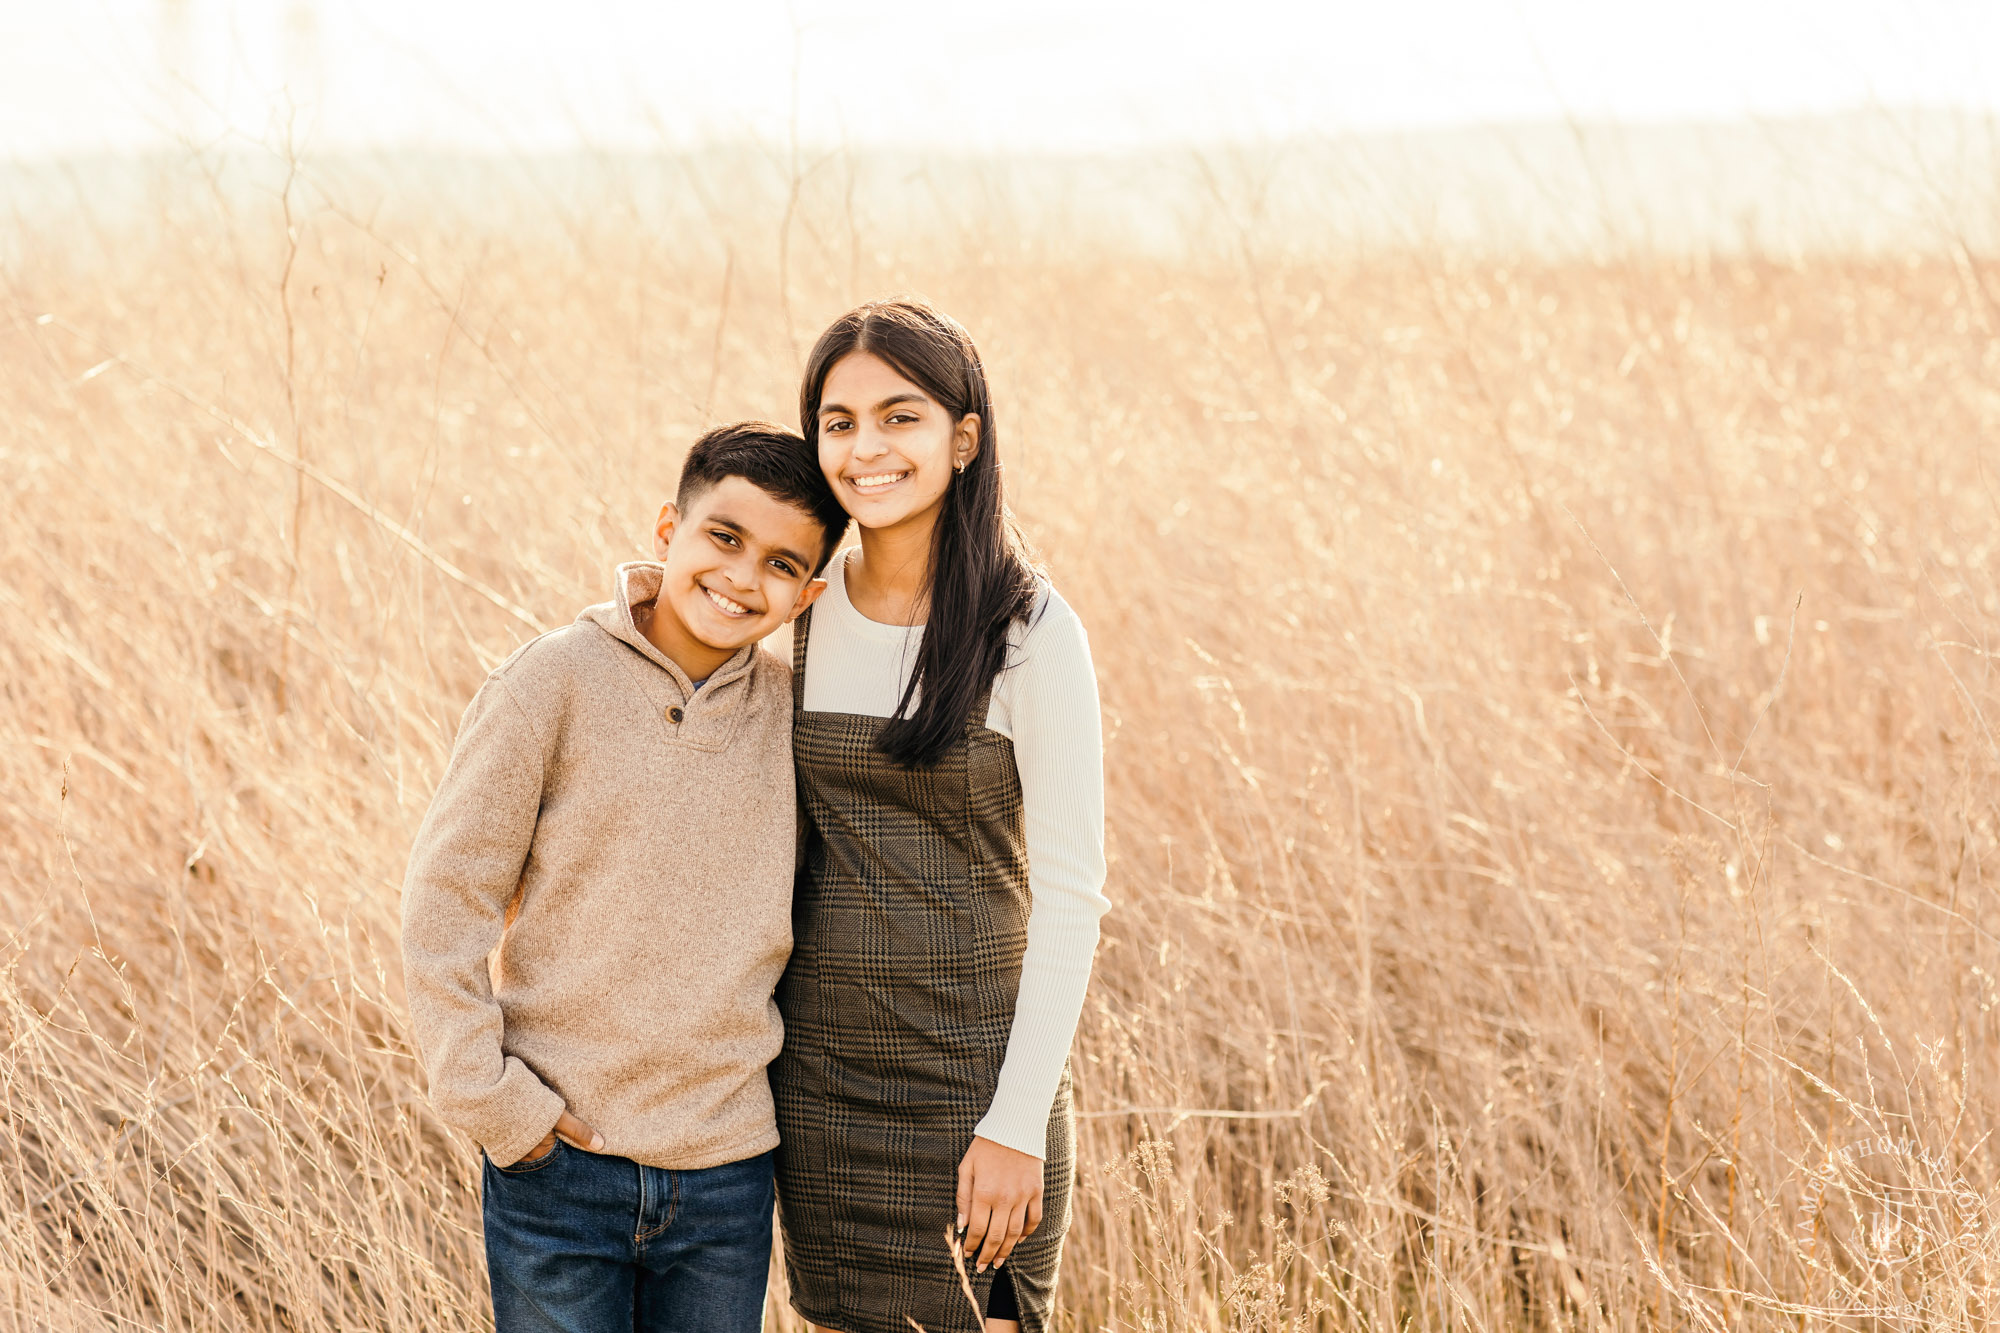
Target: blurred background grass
(1549,693)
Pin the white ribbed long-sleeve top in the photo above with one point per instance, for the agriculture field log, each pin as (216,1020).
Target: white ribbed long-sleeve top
(1045,701)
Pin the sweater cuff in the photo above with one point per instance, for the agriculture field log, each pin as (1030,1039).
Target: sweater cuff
(532,1108)
(1022,1128)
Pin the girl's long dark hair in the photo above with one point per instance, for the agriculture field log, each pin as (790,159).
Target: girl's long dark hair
(978,582)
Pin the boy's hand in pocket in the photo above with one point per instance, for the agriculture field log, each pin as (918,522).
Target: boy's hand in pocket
(573,1132)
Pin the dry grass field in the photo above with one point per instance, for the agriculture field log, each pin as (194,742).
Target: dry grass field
(1554,743)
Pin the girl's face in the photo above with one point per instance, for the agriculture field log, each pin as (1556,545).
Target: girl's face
(887,448)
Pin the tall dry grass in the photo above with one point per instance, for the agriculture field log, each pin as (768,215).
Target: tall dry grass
(1551,739)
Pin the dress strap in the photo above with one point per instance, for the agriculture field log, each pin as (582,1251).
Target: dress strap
(800,629)
(975,720)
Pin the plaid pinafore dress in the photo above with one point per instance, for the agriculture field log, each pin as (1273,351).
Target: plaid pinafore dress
(908,925)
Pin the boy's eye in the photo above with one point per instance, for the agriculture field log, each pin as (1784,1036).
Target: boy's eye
(727,538)
(782,568)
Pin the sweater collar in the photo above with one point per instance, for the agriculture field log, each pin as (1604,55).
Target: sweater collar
(636,583)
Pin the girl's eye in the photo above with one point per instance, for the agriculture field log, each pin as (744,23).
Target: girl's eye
(901,417)
(835,427)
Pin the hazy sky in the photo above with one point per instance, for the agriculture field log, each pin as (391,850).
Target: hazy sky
(1067,75)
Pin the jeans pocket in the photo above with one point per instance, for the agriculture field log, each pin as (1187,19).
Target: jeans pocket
(528,1164)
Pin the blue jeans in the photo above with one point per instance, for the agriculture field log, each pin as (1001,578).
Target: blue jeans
(583,1242)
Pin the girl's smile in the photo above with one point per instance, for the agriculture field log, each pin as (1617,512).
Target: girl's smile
(875,483)
(888,448)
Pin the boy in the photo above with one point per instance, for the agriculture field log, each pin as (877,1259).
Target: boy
(618,819)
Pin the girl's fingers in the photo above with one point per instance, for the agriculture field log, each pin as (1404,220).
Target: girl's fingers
(1001,1235)
(1017,1227)
(979,1221)
(964,1190)
(1034,1216)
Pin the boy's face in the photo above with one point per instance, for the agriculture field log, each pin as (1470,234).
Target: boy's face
(739,564)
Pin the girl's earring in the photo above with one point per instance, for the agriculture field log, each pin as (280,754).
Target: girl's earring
(960,467)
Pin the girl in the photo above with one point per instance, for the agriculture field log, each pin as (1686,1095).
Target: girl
(950,761)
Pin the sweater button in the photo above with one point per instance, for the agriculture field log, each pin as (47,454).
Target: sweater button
(674,715)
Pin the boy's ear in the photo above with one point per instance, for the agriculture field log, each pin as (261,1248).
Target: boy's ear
(663,530)
(807,596)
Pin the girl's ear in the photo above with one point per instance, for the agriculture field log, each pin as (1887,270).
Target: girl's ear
(965,441)
(663,530)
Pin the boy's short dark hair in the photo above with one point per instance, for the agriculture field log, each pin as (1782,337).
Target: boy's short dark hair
(776,461)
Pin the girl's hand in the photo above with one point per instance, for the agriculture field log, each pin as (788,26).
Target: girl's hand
(573,1132)
(999,1200)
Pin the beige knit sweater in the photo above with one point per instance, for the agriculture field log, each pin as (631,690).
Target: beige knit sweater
(648,830)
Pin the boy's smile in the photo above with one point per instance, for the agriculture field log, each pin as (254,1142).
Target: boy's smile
(738,565)
(725,605)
